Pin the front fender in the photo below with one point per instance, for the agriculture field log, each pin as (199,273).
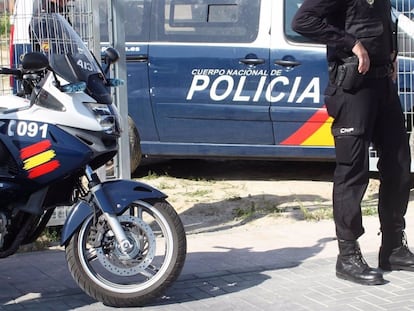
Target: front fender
(120,193)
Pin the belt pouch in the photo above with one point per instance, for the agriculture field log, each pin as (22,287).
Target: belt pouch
(348,76)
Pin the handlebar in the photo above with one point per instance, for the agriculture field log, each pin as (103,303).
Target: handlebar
(9,71)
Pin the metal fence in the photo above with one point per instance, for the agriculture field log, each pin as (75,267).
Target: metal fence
(404,14)
(406,53)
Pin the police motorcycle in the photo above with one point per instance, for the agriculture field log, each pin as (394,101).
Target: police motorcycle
(124,243)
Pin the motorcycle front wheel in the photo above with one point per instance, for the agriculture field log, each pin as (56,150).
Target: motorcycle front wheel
(143,273)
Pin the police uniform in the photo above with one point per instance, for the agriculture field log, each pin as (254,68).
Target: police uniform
(367,111)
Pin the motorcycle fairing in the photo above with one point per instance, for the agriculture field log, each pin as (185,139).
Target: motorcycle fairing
(41,159)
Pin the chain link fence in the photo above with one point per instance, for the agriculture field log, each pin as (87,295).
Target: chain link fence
(404,14)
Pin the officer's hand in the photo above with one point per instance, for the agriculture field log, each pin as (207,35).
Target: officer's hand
(363,57)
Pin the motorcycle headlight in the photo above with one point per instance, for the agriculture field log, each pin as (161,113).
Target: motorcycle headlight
(107,116)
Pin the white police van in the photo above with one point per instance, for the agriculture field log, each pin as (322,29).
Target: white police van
(226,79)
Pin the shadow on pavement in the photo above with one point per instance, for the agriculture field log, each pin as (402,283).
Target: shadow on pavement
(41,280)
(231,270)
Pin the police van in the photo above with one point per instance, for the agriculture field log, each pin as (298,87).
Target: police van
(227,79)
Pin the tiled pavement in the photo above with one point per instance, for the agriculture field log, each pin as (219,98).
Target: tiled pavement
(287,266)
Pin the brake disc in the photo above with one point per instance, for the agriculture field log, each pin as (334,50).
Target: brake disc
(141,236)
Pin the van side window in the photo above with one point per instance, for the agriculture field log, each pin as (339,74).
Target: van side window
(135,14)
(291,6)
(227,21)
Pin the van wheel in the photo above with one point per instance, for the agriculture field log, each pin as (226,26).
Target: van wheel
(135,153)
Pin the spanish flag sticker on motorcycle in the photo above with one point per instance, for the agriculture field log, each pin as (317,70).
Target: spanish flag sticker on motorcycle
(39,159)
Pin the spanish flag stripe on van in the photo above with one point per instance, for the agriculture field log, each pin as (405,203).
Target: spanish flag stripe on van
(315,131)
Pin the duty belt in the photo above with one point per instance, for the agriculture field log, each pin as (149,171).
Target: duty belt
(379,72)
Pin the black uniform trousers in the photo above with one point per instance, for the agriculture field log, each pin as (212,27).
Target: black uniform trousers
(372,113)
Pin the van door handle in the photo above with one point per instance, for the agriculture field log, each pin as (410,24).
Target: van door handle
(140,58)
(287,63)
(252,61)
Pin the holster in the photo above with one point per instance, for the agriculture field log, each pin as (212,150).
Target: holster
(345,74)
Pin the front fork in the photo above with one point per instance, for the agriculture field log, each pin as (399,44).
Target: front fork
(105,206)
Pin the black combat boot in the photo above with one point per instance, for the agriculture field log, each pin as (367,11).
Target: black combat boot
(394,253)
(351,265)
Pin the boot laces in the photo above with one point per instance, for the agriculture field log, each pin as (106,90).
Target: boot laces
(360,258)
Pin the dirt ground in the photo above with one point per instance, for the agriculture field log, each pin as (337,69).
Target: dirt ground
(217,195)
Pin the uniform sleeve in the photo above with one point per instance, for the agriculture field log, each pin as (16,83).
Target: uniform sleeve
(311,21)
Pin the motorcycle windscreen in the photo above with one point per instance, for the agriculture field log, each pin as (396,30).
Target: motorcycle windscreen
(68,55)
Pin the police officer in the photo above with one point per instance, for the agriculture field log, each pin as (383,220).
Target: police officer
(362,98)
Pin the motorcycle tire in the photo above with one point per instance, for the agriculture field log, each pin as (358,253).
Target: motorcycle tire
(135,153)
(133,279)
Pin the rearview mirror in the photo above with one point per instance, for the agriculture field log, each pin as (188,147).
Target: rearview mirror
(111,56)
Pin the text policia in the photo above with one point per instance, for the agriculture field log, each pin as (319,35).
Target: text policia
(222,82)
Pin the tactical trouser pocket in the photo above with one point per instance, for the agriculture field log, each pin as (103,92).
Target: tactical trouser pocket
(348,144)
